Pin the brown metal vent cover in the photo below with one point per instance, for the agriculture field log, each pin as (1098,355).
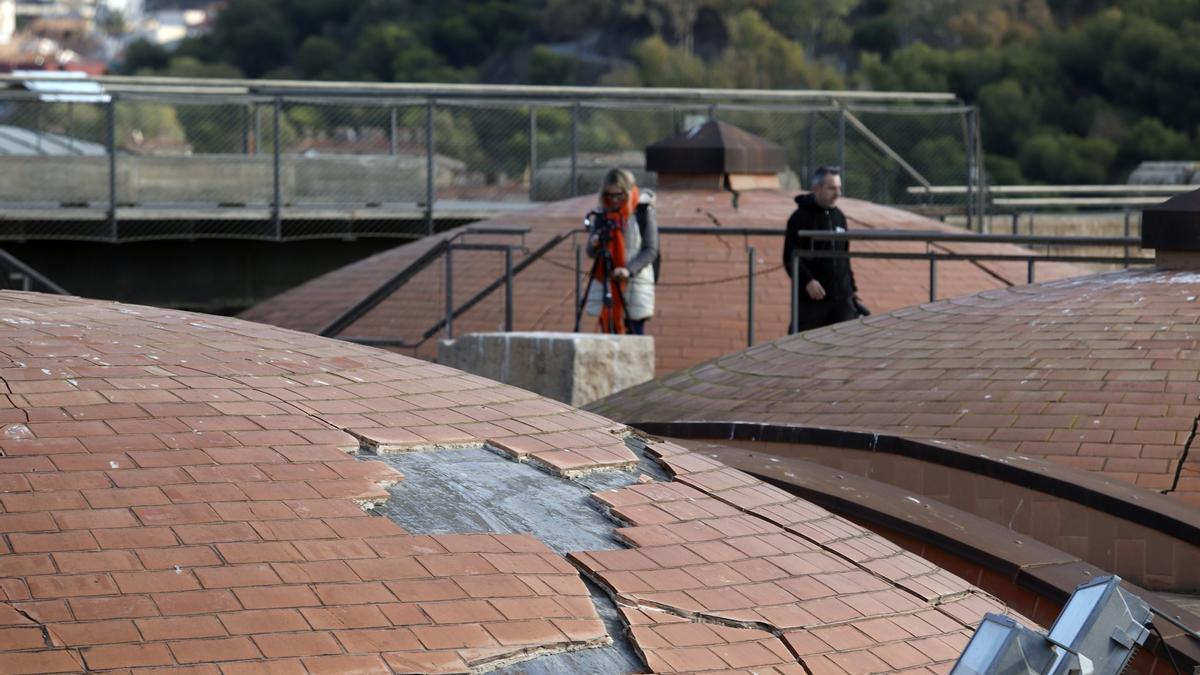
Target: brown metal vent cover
(715,147)
(1173,225)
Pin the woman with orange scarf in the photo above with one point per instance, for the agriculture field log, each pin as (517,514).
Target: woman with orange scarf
(633,247)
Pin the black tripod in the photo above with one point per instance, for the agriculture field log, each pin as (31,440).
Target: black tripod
(603,262)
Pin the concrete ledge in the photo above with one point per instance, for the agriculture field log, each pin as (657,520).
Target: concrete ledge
(575,368)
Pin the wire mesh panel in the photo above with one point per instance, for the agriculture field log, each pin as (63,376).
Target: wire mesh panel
(205,162)
(53,154)
(904,151)
(616,136)
(483,152)
(54,169)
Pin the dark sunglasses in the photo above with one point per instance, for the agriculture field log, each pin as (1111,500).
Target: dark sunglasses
(613,196)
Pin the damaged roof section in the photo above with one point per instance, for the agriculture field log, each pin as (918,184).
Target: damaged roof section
(181,490)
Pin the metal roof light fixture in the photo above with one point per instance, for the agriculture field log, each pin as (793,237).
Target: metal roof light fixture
(1096,633)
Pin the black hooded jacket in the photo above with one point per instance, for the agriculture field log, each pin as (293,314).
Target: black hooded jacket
(835,274)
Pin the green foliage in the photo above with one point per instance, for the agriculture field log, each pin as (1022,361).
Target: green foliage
(142,55)
(1150,139)
(877,34)
(1069,90)
(1002,170)
(547,67)
(1056,157)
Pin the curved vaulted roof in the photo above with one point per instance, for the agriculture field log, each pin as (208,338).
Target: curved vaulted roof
(186,491)
(1099,372)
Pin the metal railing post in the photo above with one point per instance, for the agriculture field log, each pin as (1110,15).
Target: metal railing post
(110,142)
(449,292)
(750,297)
(257,129)
(276,169)
(1128,215)
(430,186)
(811,142)
(246,129)
(578,281)
(981,181)
(508,291)
(575,148)
(712,111)
(969,133)
(1029,272)
(842,144)
(532,150)
(932,277)
(393,132)
(795,294)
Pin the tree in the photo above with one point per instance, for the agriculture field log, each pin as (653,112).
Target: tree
(815,24)
(254,35)
(1150,139)
(1058,158)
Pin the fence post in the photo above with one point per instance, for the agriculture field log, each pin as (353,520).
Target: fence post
(276,188)
(246,129)
(575,148)
(449,292)
(712,111)
(1127,216)
(811,162)
(257,129)
(1029,271)
(110,141)
(532,149)
(795,294)
(842,143)
(430,186)
(578,283)
(981,208)
(394,131)
(750,297)
(969,134)
(508,290)
(932,276)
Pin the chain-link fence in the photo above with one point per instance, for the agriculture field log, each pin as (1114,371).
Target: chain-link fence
(211,159)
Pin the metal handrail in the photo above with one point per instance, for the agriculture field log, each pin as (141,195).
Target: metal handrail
(32,277)
(202,86)
(927,237)
(510,273)
(1057,189)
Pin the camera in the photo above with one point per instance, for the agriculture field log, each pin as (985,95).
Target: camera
(598,222)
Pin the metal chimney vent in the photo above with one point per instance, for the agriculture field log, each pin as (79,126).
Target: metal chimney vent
(715,148)
(1172,229)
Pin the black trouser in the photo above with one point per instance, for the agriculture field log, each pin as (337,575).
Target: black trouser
(827,312)
(635,327)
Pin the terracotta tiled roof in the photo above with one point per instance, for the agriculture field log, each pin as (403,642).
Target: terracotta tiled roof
(701,303)
(180,490)
(1096,372)
(774,579)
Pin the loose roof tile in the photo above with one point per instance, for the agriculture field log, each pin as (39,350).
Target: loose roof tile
(701,305)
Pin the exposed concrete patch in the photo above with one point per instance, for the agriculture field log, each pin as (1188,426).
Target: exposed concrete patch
(473,490)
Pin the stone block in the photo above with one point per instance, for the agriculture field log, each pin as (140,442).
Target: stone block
(575,368)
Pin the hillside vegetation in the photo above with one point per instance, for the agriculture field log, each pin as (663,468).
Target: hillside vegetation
(1069,90)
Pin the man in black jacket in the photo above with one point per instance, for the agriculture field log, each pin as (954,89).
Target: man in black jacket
(827,290)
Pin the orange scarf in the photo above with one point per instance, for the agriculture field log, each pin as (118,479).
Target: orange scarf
(614,315)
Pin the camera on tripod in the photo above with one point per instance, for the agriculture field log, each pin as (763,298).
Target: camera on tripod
(599,223)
